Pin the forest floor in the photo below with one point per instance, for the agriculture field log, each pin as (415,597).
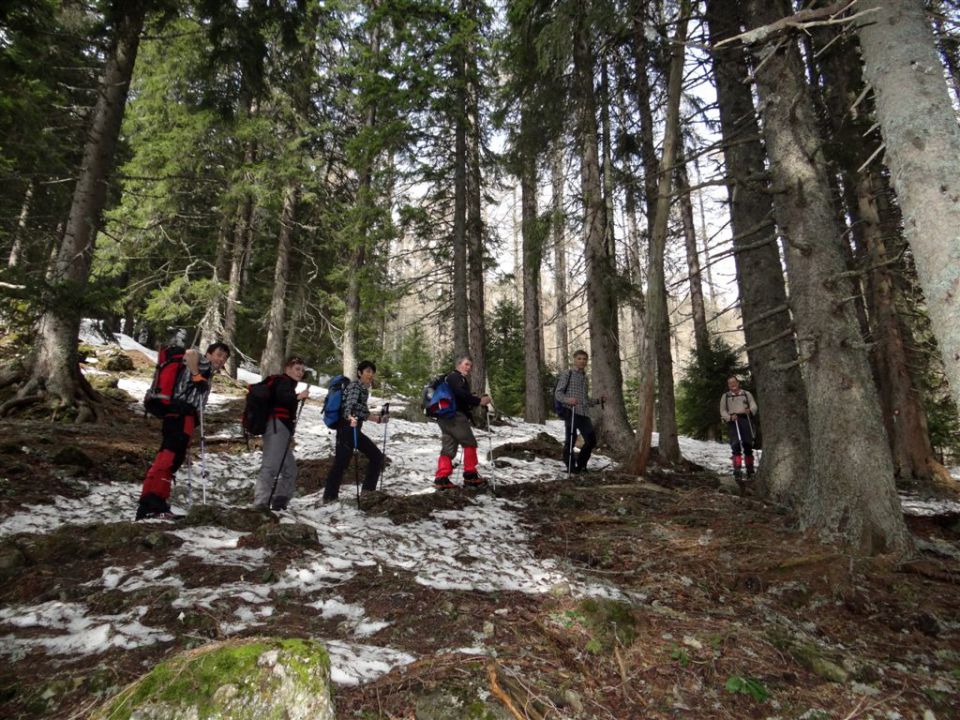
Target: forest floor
(722,609)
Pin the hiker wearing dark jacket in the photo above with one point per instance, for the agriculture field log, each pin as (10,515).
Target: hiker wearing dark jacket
(456,431)
(736,407)
(574,394)
(189,397)
(278,471)
(350,440)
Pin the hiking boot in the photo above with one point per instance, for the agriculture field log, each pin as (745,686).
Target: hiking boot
(472,481)
(279,503)
(152,506)
(443,483)
(750,471)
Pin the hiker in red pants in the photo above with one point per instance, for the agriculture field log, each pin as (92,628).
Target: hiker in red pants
(736,407)
(189,380)
(456,431)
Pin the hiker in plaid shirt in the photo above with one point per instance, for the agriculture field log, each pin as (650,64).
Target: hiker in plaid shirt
(574,394)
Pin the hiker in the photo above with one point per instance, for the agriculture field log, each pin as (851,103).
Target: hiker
(278,471)
(350,438)
(736,407)
(573,394)
(456,431)
(186,401)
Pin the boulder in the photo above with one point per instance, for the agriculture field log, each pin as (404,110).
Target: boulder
(243,679)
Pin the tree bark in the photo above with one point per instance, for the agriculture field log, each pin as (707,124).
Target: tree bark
(477,332)
(852,495)
(55,353)
(781,394)
(243,230)
(601,289)
(656,305)
(16,249)
(701,336)
(559,227)
(272,358)
(461,338)
(533,407)
(874,219)
(922,140)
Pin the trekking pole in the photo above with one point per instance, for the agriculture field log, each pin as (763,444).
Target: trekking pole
(384,413)
(736,473)
(286,450)
(493,478)
(572,436)
(356,463)
(203,457)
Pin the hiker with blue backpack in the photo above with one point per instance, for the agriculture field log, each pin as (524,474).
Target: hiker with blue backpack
(177,395)
(277,481)
(456,431)
(351,412)
(571,401)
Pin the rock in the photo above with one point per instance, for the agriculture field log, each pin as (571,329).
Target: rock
(245,679)
(71,455)
(119,362)
(11,560)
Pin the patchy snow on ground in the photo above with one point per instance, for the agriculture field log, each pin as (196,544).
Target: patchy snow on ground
(482,547)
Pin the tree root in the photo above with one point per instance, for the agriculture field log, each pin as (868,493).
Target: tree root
(84,400)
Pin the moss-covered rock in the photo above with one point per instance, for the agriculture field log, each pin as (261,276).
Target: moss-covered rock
(248,679)
(610,622)
(119,362)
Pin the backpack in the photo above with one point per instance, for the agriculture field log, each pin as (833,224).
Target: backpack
(561,409)
(333,403)
(438,400)
(256,410)
(157,400)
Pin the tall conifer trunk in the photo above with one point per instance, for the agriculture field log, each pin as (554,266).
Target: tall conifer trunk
(922,141)
(559,228)
(767,324)
(271,360)
(55,370)
(852,494)
(601,292)
(875,225)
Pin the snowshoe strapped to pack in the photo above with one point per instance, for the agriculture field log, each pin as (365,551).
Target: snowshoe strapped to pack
(333,403)
(438,400)
(158,400)
(259,404)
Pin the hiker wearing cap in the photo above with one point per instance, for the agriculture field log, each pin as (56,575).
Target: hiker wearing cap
(736,407)
(350,440)
(277,481)
(573,394)
(189,396)
(456,431)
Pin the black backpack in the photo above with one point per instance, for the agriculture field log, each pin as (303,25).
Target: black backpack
(256,410)
(559,408)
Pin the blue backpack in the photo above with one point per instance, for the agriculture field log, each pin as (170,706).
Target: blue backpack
(333,403)
(438,400)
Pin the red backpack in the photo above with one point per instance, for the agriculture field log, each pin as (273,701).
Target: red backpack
(157,401)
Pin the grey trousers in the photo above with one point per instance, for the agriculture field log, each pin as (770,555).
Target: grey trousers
(455,431)
(275,441)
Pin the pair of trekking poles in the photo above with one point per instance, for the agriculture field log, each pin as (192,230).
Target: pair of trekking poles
(384,413)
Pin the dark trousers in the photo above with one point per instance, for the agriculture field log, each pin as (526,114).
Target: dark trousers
(742,442)
(578,423)
(345,436)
